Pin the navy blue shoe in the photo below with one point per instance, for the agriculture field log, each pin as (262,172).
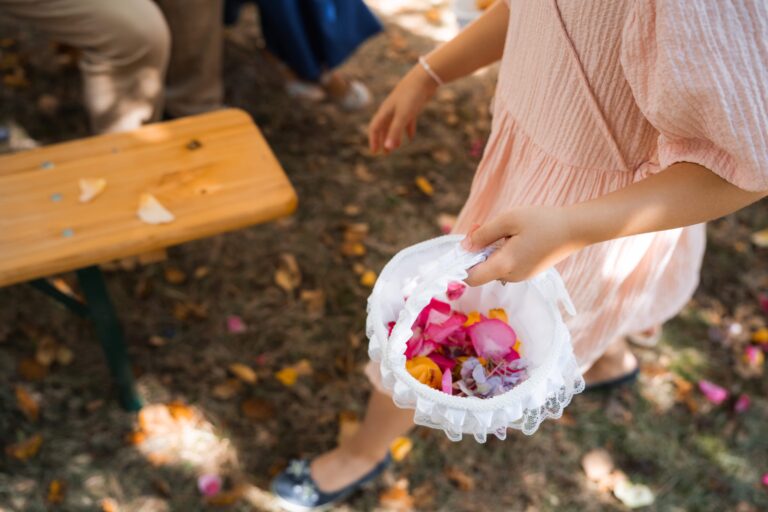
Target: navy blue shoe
(604,385)
(297,491)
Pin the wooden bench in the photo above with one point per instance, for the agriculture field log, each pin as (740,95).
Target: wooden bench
(214,172)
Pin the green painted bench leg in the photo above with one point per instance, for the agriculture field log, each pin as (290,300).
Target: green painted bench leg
(110,333)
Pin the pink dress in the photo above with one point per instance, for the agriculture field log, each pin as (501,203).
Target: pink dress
(593,96)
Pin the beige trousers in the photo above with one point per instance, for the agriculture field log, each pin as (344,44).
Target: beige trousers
(127,47)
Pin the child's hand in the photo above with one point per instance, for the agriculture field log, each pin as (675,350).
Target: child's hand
(534,239)
(400,110)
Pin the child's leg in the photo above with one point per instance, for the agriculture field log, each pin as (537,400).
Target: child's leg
(356,456)
(615,362)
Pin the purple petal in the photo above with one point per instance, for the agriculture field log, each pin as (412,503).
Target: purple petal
(713,392)
(455,290)
(447,383)
(492,338)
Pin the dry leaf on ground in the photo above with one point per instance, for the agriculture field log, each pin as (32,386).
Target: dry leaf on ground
(55,492)
(243,372)
(368,279)
(227,389)
(28,404)
(257,409)
(314,301)
(288,274)
(424,186)
(25,449)
(459,478)
(174,275)
(397,498)
(400,448)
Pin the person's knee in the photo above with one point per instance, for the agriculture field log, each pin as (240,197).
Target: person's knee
(140,38)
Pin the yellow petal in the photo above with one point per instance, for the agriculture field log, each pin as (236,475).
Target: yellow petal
(516,348)
(368,279)
(499,314)
(287,376)
(425,371)
(90,188)
(425,186)
(472,318)
(760,335)
(400,448)
(152,212)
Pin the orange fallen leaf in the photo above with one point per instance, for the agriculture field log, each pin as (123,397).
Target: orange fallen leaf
(363,174)
(400,448)
(25,449)
(27,403)
(368,279)
(174,275)
(424,186)
(353,249)
(397,498)
(243,372)
(761,336)
(460,479)
(55,492)
(109,505)
(287,376)
(180,411)
(356,232)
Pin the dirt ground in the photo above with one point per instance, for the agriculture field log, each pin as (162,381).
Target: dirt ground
(201,418)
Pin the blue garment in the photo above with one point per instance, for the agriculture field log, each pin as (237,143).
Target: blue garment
(311,36)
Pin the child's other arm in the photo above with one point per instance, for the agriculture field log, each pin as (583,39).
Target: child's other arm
(477,46)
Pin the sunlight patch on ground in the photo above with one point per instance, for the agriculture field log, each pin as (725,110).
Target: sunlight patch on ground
(426,18)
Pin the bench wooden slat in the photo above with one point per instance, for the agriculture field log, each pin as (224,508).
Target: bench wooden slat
(231,181)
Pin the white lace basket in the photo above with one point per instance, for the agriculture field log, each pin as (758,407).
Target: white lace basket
(420,272)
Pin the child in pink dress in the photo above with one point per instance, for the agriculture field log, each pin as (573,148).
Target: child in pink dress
(618,129)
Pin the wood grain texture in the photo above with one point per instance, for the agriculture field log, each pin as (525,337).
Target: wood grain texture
(231,181)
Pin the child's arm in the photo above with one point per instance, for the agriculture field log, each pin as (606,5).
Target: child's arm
(477,46)
(539,237)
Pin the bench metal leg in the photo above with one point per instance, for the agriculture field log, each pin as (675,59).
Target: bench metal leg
(67,300)
(110,333)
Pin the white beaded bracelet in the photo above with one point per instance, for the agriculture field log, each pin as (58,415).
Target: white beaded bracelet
(430,71)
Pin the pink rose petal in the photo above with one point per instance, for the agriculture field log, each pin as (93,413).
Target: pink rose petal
(742,404)
(713,392)
(445,363)
(754,355)
(765,480)
(455,290)
(434,305)
(209,485)
(447,383)
(235,324)
(492,338)
(419,345)
(439,332)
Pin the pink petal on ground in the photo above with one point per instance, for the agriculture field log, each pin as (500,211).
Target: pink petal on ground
(765,480)
(235,324)
(754,356)
(492,338)
(209,485)
(455,290)
(742,404)
(764,302)
(434,305)
(447,383)
(439,332)
(713,392)
(445,363)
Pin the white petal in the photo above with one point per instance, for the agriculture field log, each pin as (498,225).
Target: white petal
(152,212)
(90,188)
